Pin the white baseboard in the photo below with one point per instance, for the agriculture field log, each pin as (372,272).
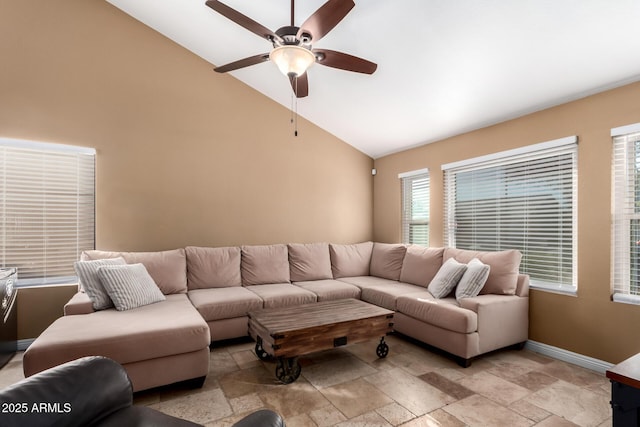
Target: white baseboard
(569,356)
(23,344)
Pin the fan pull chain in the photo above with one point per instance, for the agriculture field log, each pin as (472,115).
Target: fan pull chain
(294,108)
(295,131)
(292,95)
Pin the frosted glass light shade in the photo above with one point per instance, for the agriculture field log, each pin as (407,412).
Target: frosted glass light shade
(292,60)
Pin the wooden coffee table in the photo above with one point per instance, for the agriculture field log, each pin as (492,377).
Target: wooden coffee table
(289,332)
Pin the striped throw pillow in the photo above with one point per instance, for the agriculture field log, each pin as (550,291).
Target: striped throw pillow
(129,286)
(446,278)
(89,281)
(473,279)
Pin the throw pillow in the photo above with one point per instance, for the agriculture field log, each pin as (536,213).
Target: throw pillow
(473,279)
(129,286)
(446,278)
(89,281)
(505,266)
(167,268)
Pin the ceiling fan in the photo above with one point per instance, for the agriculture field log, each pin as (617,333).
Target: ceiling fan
(292,46)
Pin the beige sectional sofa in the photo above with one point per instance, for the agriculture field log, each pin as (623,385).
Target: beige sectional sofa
(209,292)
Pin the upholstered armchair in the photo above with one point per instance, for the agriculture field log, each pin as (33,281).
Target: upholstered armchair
(91,391)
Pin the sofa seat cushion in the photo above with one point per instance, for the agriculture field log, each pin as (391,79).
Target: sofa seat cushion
(368,281)
(282,295)
(224,303)
(167,328)
(387,294)
(444,312)
(330,290)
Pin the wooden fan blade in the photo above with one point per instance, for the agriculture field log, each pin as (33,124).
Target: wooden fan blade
(252,60)
(300,85)
(343,61)
(242,20)
(324,19)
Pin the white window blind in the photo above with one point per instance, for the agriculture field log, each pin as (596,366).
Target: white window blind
(46,209)
(625,205)
(415,207)
(523,199)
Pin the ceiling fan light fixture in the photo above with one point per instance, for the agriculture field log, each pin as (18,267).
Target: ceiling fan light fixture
(292,60)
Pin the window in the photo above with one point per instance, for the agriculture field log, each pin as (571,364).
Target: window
(625,232)
(521,199)
(46,209)
(415,207)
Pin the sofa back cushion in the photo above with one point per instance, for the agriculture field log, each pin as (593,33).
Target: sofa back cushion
(262,265)
(167,268)
(420,265)
(350,260)
(504,267)
(310,261)
(386,260)
(213,267)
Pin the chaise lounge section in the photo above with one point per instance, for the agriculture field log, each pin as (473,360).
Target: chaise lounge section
(157,344)
(209,292)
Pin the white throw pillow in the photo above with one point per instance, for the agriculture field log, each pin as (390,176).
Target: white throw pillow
(129,286)
(446,278)
(473,279)
(89,281)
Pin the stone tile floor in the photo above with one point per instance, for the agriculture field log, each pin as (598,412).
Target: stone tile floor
(413,386)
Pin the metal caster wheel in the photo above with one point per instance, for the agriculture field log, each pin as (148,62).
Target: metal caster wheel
(382,350)
(262,355)
(288,370)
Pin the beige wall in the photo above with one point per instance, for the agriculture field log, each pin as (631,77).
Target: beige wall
(38,307)
(185,156)
(590,323)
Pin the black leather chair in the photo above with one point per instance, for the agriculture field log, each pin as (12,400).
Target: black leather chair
(91,391)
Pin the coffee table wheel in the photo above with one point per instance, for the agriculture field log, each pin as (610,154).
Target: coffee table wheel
(383,349)
(262,355)
(288,369)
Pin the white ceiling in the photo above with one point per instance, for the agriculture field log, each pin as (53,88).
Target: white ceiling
(445,67)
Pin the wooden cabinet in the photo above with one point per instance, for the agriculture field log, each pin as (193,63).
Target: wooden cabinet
(9,313)
(625,392)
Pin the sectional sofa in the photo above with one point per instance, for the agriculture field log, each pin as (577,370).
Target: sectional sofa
(209,291)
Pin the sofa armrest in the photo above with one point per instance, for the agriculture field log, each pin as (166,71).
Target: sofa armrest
(80,303)
(77,393)
(488,303)
(522,288)
(503,320)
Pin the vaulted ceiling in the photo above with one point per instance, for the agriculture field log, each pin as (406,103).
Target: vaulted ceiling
(445,67)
